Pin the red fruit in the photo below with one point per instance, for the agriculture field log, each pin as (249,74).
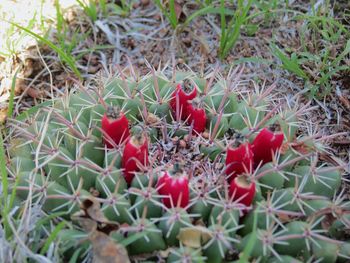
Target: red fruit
(183,99)
(242,190)
(175,187)
(116,126)
(135,154)
(238,160)
(265,145)
(198,117)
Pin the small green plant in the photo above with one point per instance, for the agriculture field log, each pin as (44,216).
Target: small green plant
(291,63)
(230,31)
(90,8)
(169,12)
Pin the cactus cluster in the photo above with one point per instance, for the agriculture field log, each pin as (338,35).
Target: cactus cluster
(185,165)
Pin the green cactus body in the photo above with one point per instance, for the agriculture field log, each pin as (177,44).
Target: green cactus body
(258,249)
(109,182)
(217,248)
(248,223)
(25,179)
(22,164)
(289,124)
(338,226)
(60,153)
(313,206)
(116,209)
(331,181)
(229,218)
(59,204)
(148,198)
(175,219)
(20,148)
(149,238)
(284,259)
(271,180)
(201,207)
(133,109)
(325,251)
(160,110)
(294,246)
(344,252)
(223,126)
(57,168)
(185,254)
(285,198)
(113,158)
(212,151)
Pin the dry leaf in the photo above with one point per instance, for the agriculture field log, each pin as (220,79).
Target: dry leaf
(105,250)
(190,237)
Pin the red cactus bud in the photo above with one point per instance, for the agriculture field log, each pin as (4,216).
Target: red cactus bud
(242,190)
(116,126)
(198,117)
(182,100)
(175,187)
(238,160)
(135,154)
(265,145)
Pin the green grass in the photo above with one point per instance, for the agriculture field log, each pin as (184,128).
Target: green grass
(289,63)
(244,257)
(230,31)
(90,9)
(169,12)
(67,58)
(5,185)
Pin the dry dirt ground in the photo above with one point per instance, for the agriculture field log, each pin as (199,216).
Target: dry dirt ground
(145,38)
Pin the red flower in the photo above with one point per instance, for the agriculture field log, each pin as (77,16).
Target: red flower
(265,145)
(198,117)
(238,160)
(116,126)
(135,154)
(242,190)
(175,187)
(183,99)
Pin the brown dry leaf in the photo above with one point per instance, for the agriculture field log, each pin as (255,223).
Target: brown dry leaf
(284,218)
(105,250)
(3,115)
(92,209)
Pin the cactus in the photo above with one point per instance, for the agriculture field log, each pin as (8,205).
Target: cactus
(182,169)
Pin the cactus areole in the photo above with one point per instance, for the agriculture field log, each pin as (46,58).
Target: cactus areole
(185,183)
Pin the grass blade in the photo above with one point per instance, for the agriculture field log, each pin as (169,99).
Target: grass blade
(64,56)
(52,237)
(250,245)
(288,63)
(12,95)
